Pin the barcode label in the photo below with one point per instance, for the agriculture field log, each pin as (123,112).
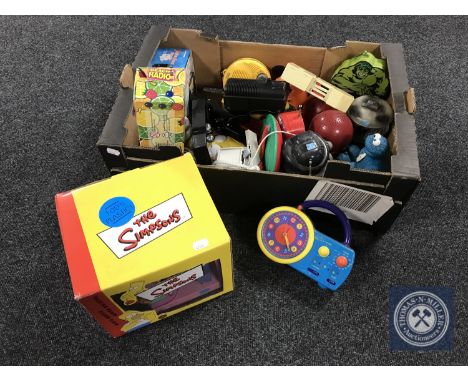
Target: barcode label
(359,205)
(348,197)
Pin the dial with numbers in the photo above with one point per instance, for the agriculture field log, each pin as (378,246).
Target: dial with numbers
(285,235)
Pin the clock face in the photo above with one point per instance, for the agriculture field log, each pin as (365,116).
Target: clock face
(285,235)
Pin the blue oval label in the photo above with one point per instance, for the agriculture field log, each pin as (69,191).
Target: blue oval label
(117,211)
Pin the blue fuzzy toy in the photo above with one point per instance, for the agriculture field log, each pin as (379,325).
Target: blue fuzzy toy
(374,155)
(349,154)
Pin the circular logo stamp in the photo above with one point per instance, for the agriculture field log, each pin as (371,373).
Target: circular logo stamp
(116,211)
(421,319)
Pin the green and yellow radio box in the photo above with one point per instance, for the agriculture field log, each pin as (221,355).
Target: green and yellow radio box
(161,98)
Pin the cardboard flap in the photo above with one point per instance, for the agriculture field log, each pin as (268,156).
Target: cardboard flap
(150,45)
(410,101)
(357,47)
(127,77)
(406,162)
(205,53)
(397,74)
(339,170)
(114,132)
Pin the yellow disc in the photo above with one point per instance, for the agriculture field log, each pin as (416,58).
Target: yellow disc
(323,251)
(246,68)
(299,251)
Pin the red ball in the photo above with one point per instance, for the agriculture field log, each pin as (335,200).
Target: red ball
(313,107)
(333,126)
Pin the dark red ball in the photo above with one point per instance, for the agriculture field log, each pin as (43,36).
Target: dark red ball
(333,126)
(313,107)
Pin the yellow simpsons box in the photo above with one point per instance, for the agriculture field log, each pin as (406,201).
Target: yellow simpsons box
(144,245)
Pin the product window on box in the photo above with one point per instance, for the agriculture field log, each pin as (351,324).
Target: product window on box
(173,292)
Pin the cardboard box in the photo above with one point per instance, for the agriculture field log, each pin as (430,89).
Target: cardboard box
(118,143)
(144,245)
(161,98)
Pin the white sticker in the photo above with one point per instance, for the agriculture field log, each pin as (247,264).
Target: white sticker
(200,244)
(363,206)
(172,283)
(113,151)
(146,226)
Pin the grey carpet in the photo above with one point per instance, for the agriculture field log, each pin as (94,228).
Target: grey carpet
(59,78)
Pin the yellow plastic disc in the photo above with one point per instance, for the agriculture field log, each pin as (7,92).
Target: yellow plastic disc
(246,68)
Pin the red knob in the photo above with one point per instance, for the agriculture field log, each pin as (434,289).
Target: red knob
(341,261)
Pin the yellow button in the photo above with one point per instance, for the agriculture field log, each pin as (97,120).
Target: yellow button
(323,251)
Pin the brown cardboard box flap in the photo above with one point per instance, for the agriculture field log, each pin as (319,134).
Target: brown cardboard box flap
(126,77)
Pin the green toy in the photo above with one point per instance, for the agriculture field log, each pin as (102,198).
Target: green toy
(271,149)
(364,74)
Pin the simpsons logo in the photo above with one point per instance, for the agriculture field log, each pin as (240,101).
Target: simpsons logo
(172,283)
(146,226)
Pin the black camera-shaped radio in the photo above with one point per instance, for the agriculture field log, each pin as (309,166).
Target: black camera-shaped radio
(243,96)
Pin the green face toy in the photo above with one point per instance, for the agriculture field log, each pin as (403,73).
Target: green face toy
(363,75)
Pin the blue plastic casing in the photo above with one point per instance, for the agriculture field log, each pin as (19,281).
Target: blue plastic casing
(325,270)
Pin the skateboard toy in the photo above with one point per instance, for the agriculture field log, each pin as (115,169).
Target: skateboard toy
(286,235)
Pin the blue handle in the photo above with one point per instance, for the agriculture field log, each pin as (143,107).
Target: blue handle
(336,211)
